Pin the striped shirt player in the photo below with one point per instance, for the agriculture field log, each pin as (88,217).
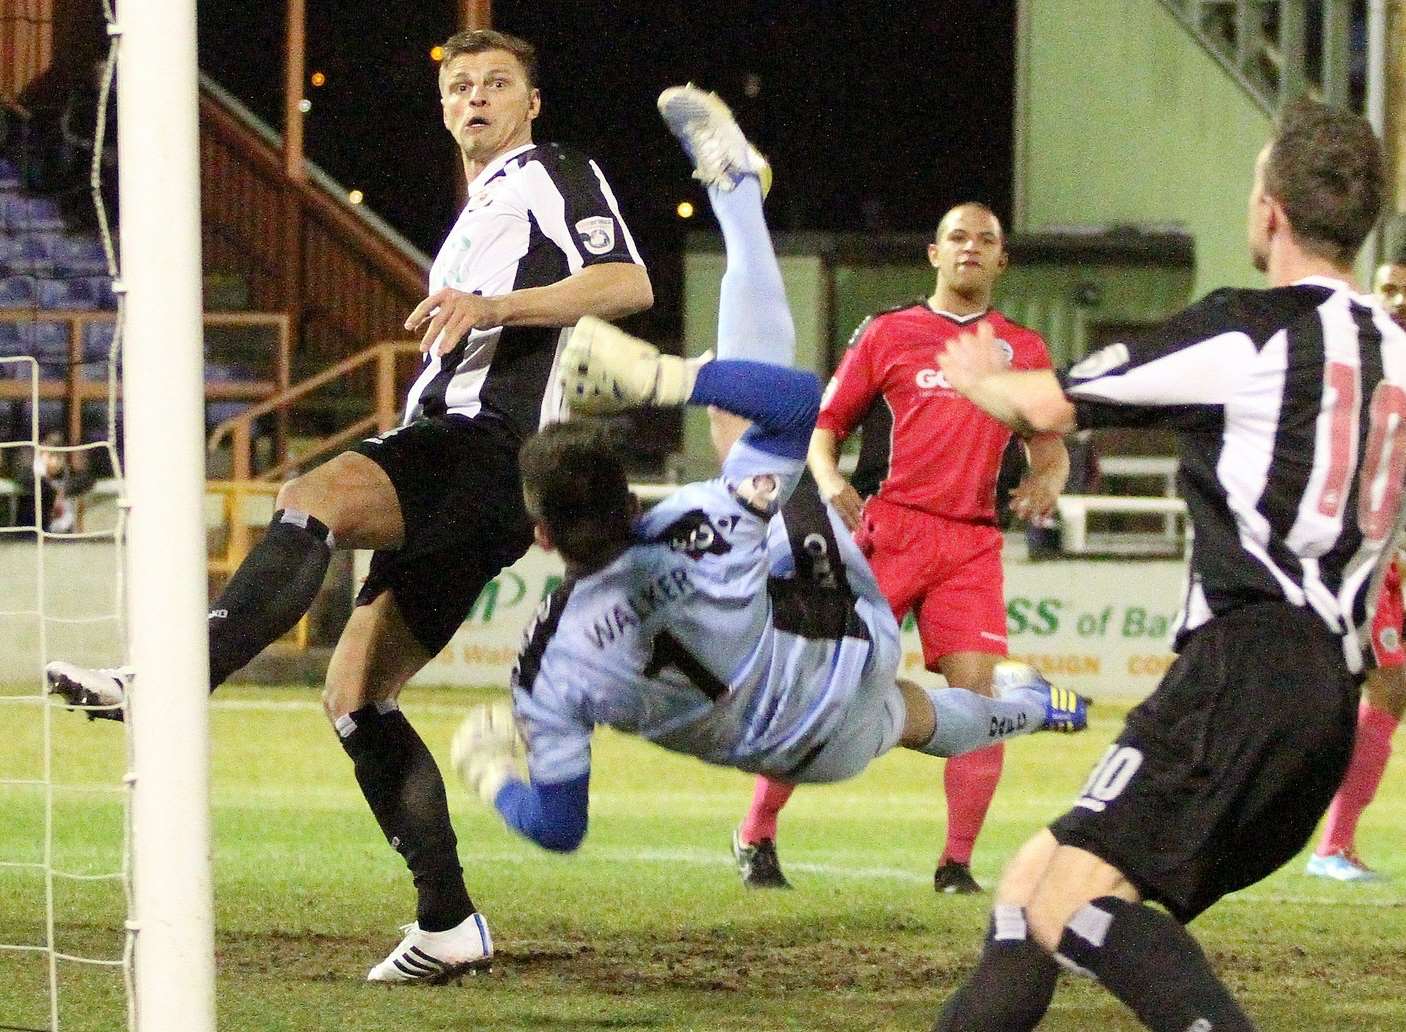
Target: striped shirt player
(1289,411)
(539,244)
(1293,493)
(535,215)
(1383,692)
(1288,407)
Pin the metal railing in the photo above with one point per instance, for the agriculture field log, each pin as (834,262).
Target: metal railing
(239,430)
(1274,49)
(73,388)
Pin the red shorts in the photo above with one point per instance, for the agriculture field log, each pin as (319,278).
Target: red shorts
(946,572)
(1386,622)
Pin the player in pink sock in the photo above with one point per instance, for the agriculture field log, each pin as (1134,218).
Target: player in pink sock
(1383,699)
(1384,695)
(929,462)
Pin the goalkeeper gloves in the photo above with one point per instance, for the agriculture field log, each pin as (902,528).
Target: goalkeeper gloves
(604,369)
(485,749)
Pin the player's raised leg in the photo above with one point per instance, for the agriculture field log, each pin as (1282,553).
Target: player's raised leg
(754,319)
(348,502)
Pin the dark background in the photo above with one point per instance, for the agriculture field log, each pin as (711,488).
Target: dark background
(876,116)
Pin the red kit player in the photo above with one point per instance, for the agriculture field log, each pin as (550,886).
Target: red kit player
(1384,694)
(930,530)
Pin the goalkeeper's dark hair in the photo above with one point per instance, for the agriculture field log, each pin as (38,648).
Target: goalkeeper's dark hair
(574,484)
(1325,166)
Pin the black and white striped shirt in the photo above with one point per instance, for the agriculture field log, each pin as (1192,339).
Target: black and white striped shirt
(1289,407)
(534,216)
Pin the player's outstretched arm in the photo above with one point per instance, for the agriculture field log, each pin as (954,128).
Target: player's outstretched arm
(485,752)
(1029,402)
(611,290)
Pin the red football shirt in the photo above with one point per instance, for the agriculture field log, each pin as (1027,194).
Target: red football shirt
(944,452)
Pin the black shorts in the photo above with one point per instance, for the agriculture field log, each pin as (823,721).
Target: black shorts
(461,501)
(1220,776)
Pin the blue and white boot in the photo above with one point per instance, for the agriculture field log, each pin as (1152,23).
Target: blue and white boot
(1066,710)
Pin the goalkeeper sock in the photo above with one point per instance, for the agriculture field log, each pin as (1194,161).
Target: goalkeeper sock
(967,721)
(404,788)
(1013,983)
(754,318)
(269,593)
(1152,964)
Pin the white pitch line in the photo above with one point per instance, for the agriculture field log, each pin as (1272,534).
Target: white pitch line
(314,706)
(721,859)
(898,874)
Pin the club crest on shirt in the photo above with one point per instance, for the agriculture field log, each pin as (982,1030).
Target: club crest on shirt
(694,535)
(597,234)
(758,493)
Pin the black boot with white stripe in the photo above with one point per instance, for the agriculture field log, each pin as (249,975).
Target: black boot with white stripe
(434,958)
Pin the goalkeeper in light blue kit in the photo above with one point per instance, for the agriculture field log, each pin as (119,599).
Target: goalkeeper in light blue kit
(735,621)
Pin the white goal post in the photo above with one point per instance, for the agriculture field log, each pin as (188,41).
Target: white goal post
(163,390)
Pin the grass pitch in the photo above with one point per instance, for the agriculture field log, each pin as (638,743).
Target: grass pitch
(646,927)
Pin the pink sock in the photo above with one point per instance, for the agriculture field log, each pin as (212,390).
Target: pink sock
(1364,774)
(768,797)
(970,781)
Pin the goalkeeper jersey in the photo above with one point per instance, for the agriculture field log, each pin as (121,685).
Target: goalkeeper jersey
(701,638)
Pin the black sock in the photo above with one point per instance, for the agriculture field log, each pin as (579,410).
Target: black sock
(269,593)
(399,778)
(1153,965)
(1012,986)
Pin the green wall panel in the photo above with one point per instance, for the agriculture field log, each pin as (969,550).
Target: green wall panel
(1128,120)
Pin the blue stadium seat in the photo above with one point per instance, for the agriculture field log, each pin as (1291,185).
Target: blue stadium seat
(18,292)
(76,293)
(20,213)
(97,340)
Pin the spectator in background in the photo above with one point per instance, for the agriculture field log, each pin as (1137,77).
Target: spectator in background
(61,477)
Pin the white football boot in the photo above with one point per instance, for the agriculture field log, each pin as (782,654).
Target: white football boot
(433,958)
(101,693)
(704,125)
